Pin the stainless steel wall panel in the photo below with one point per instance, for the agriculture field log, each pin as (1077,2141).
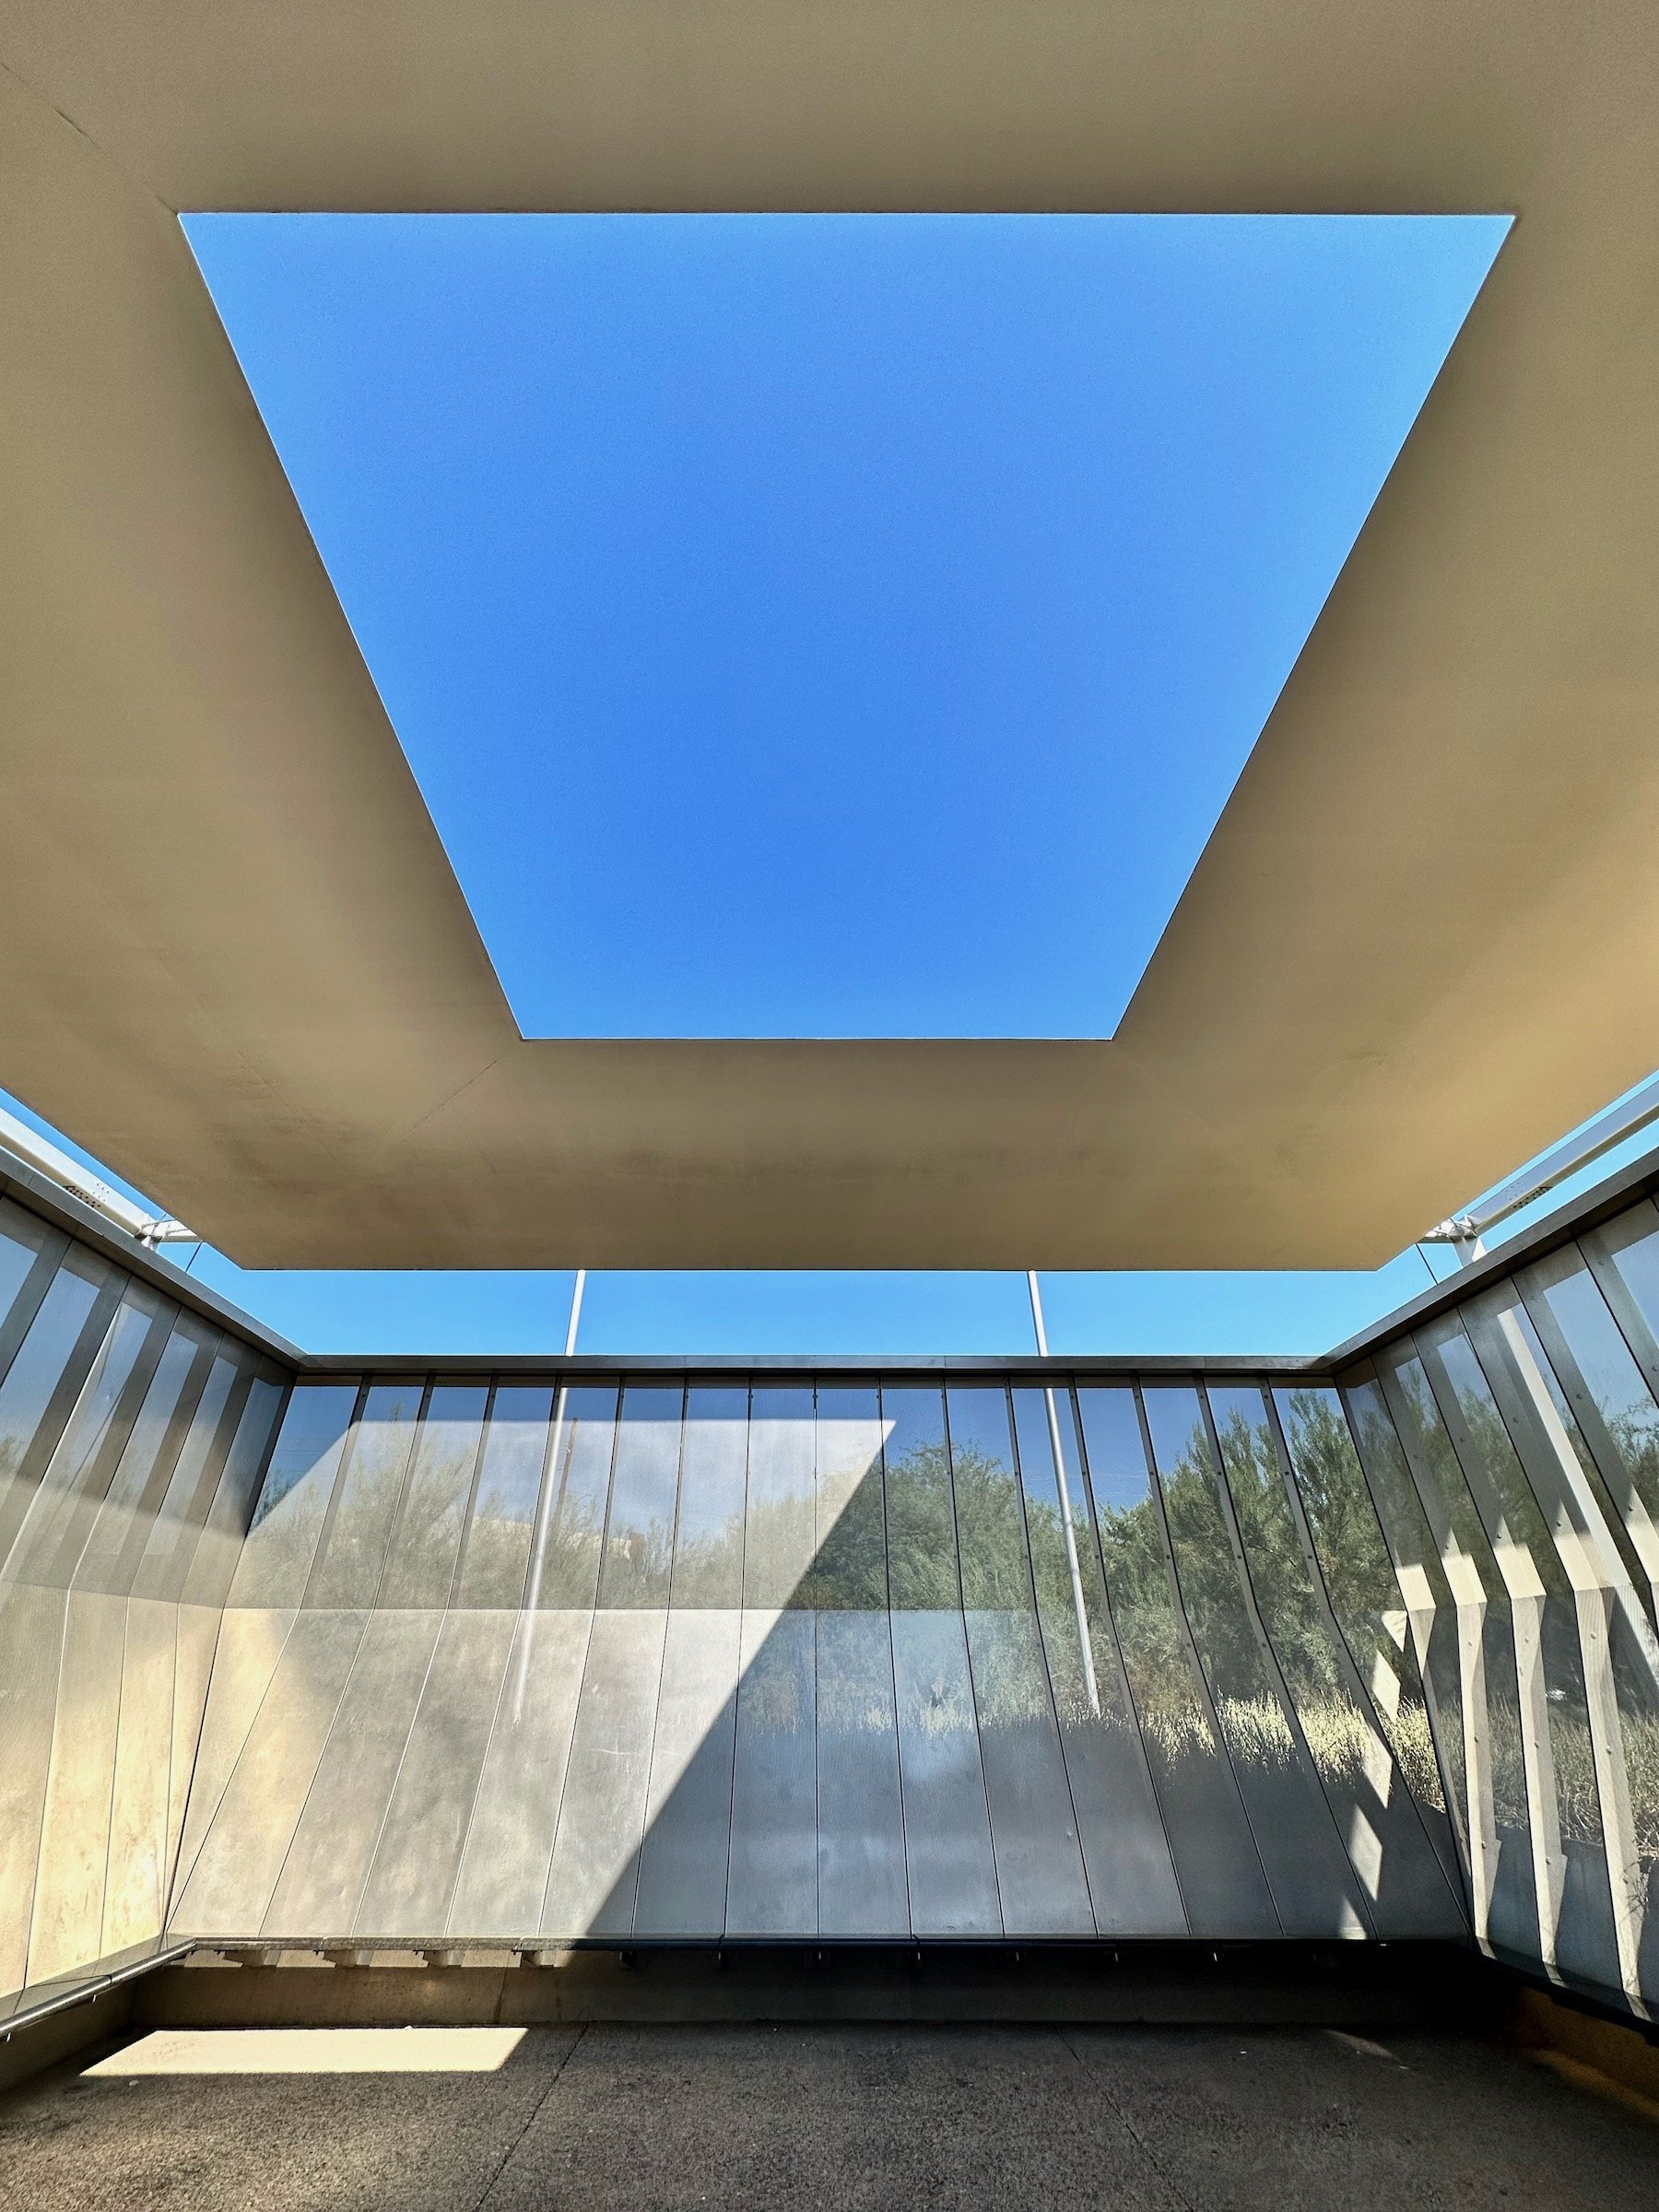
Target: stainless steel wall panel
(180,1517)
(863,1887)
(1315,1890)
(353,1552)
(708,1538)
(136,1882)
(211,1565)
(1224,1891)
(324,1876)
(923,1573)
(1612,1405)
(249,1647)
(497,1762)
(197,1635)
(1132,1883)
(1614,1628)
(949,1863)
(594,1874)
(1040,1876)
(1500,1735)
(990,1520)
(29,1252)
(1623,1255)
(127,1519)
(228,1891)
(413,1875)
(515,1815)
(1040,1880)
(68,1497)
(32,1644)
(683,1859)
(1533,1378)
(849,1563)
(639,1529)
(1550,1662)
(75,1832)
(570,1533)
(288,1522)
(1380,1567)
(45,1377)
(1407,1890)
(495,1555)
(779,1534)
(771,1885)
(432,1515)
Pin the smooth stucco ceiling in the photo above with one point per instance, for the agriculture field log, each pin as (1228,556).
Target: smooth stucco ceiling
(237,964)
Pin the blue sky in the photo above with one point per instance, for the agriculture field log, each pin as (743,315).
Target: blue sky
(834,625)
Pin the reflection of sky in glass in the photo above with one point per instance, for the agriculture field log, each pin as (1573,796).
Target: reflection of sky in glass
(1117,1459)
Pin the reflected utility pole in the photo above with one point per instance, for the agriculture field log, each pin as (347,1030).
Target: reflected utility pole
(548,1500)
(1084,1649)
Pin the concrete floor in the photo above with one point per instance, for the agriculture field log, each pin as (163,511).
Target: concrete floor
(1194,2120)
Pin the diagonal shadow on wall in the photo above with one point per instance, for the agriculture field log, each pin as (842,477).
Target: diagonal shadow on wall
(804,1661)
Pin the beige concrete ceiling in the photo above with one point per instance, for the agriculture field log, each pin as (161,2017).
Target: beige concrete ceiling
(234,961)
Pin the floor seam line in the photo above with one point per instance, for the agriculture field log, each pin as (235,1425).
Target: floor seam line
(532,2116)
(1168,2181)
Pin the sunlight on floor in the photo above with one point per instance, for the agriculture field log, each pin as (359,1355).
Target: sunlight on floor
(311,2051)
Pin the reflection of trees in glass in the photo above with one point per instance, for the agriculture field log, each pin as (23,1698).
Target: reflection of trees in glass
(1251,1719)
(1521,1523)
(1339,1735)
(578,1480)
(1171,1713)
(945,1706)
(854,1688)
(571,1554)
(1441,1481)
(1056,1610)
(776,1692)
(1358,1574)
(349,1571)
(428,1534)
(1634,1431)
(990,1530)
(708,1557)
(636,1571)
(849,1571)
(497,1553)
(1010,1682)
(922,1530)
(1612,1379)
(348,1567)
(708,1565)
(1641,1765)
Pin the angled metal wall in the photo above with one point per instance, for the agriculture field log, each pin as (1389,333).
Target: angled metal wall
(685,1658)
(391,1660)
(133,1441)
(1511,1446)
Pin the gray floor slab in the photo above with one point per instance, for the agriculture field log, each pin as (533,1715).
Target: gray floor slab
(636,2118)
